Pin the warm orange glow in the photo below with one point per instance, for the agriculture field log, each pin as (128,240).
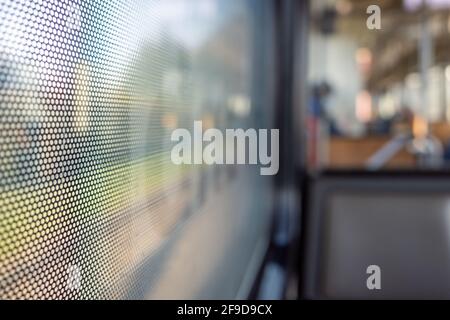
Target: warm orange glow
(363,109)
(169,120)
(419,127)
(344,7)
(363,57)
(208,121)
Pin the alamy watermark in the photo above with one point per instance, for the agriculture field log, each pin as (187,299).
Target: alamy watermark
(237,146)
(73,277)
(374,280)
(373,22)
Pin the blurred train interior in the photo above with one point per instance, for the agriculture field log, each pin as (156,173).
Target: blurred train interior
(92,205)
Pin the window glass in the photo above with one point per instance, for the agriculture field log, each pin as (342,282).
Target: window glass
(90,92)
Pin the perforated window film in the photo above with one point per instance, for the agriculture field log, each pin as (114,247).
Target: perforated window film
(90,91)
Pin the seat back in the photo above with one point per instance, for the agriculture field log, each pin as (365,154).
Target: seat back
(399,223)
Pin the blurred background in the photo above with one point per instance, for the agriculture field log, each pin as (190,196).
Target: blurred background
(379,97)
(91,206)
(377,150)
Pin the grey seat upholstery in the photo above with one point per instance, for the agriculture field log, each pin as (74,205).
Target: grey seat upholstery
(400,223)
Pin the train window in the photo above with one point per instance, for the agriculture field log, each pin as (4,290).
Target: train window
(90,91)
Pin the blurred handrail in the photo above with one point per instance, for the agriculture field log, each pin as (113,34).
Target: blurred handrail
(389,150)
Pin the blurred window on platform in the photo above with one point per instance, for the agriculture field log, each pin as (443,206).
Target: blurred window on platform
(379,98)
